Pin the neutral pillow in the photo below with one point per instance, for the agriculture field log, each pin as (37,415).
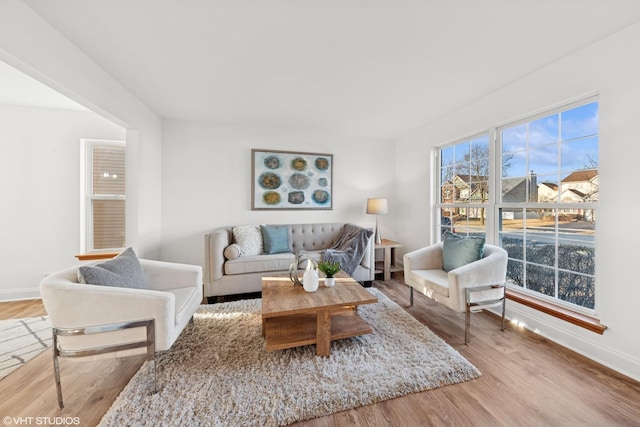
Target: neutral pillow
(232,251)
(276,238)
(249,238)
(458,251)
(123,271)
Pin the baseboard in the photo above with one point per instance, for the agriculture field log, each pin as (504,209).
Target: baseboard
(607,356)
(19,294)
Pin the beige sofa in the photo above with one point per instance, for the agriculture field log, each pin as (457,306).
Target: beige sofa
(243,274)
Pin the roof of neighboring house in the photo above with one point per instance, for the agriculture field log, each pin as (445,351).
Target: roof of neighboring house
(551,185)
(581,175)
(578,193)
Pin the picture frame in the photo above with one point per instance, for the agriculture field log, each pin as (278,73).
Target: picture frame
(291,180)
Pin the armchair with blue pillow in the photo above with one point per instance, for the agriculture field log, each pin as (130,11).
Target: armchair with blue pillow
(463,273)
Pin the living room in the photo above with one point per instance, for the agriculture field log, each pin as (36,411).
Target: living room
(187,176)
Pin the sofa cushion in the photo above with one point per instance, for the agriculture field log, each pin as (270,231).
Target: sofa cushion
(122,271)
(249,238)
(276,239)
(232,251)
(458,251)
(258,263)
(436,280)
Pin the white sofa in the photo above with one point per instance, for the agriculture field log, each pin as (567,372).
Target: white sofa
(243,274)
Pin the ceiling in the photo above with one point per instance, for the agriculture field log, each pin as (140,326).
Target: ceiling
(376,68)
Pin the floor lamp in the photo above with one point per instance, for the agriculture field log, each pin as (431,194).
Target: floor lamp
(377,207)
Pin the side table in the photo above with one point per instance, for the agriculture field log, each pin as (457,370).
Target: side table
(387,265)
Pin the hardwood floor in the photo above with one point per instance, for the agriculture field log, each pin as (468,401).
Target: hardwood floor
(527,380)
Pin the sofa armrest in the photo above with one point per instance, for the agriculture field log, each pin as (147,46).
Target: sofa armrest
(162,276)
(78,305)
(214,245)
(428,258)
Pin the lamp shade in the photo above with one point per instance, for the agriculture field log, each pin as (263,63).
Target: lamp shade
(377,206)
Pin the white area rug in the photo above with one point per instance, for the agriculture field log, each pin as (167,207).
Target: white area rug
(219,374)
(21,340)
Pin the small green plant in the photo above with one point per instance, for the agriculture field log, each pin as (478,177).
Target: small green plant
(329,268)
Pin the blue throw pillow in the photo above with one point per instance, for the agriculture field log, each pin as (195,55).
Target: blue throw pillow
(458,251)
(122,271)
(276,239)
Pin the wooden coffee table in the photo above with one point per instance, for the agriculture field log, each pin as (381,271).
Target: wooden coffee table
(292,317)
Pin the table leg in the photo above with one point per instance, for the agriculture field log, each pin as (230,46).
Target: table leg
(264,323)
(387,263)
(323,333)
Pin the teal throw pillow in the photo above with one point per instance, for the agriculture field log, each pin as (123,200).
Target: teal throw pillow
(123,271)
(458,251)
(276,238)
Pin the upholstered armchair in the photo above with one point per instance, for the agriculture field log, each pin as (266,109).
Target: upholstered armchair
(94,321)
(469,288)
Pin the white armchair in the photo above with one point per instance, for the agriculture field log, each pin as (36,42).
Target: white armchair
(94,321)
(470,288)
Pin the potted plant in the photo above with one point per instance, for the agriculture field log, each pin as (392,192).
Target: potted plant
(329,268)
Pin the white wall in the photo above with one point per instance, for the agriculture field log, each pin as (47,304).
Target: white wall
(31,45)
(206,181)
(40,215)
(611,69)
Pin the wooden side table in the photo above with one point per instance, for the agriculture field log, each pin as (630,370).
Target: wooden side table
(387,265)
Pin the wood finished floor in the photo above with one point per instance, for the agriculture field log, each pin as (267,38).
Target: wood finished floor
(527,380)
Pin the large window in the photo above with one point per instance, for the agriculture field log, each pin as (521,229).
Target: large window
(545,204)
(464,186)
(103,195)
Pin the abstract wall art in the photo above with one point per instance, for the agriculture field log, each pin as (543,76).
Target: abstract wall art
(291,180)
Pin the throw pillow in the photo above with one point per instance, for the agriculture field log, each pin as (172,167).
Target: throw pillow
(249,238)
(276,238)
(122,271)
(458,251)
(232,251)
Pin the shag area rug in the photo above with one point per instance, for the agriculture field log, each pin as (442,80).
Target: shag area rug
(218,373)
(21,340)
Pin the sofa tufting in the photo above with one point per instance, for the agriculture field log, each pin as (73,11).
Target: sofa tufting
(235,273)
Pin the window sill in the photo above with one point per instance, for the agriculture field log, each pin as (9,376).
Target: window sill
(562,313)
(94,256)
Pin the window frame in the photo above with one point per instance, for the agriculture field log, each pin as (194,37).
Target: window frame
(494,206)
(87,197)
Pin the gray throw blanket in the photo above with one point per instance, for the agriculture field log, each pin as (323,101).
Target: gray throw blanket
(350,247)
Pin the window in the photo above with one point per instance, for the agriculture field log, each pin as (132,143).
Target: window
(464,186)
(548,203)
(545,203)
(103,195)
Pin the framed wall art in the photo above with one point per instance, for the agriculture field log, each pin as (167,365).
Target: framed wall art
(291,180)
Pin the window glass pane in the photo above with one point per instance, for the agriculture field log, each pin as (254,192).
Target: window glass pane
(462,151)
(108,224)
(446,156)
(576,289)
(580,121)
(446,221)
(512,232)
(515,273)
(515,190)
(580,154)
(544,160)
(514,138)
(547,189)
(108,170)
(541,279)
(514,164)
(543,131)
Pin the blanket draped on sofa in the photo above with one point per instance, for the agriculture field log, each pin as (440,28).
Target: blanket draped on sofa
(350,247)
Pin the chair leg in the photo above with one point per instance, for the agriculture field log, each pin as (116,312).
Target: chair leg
(467,323)
(504,305)
(56,370)
(411,296)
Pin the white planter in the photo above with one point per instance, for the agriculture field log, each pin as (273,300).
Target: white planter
(329,282)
